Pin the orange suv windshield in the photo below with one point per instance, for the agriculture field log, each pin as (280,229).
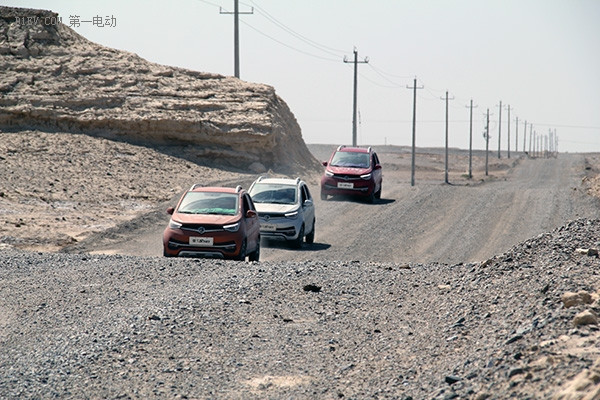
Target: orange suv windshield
(209,203)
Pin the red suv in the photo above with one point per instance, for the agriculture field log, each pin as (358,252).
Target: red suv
(213,222)
(354,171)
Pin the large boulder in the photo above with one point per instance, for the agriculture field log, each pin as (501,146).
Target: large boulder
(56,80)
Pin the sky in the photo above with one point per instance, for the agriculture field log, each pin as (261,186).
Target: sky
(541,58)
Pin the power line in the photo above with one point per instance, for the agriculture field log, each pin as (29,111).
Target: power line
(297,35)
(289,46)
(384,77)
(212,4)
(279,41)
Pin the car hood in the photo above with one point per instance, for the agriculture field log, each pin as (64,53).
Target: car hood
(205,219)
(275,208)
(348,171)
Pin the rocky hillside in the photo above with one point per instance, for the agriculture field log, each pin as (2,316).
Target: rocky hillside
(56,80)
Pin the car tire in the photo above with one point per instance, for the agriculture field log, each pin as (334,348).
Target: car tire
(242,255)
(371,198)
(378,194)
(165,254)
(300,239)
(323,196)
(310,238)
(255,255)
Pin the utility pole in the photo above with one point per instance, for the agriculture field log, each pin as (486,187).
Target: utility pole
(446,169)
(499,127)
(354,107)
(471,139)
(530,139)
(508,131)
(487,140)
(414,129)
(524,136)
(517,135)
(236,35)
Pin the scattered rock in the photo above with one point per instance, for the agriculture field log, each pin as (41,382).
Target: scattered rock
(451,379)
(585,386)
(585,318)
(514,339)
(571,299)
(515,371)
(587,252)
(312,288)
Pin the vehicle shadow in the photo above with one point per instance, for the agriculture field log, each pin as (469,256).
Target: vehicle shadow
(282,245)
(353,199)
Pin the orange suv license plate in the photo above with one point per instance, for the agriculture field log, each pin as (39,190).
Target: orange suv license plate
(201,241)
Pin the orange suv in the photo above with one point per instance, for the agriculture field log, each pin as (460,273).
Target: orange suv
(213,222)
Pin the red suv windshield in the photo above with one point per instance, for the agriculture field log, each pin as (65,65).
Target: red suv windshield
(350,159)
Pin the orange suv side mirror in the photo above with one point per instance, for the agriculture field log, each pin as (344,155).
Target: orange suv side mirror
(170,210)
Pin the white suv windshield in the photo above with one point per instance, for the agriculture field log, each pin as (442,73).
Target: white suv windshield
(273,193)
(209,203)
(350,159)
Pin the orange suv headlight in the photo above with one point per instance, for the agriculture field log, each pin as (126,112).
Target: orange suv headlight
(232,227)
(174,225)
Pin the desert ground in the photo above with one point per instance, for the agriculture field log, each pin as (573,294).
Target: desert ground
(393,300)
(58,189)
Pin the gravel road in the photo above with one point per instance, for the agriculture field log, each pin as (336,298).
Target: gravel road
(112,326)
(467,221)
(434,222)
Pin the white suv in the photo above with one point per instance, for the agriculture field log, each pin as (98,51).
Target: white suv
(285,208)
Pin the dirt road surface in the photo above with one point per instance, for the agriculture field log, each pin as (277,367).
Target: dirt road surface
(465,221)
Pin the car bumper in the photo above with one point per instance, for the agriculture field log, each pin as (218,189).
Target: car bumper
(286,229)
(177,244)
(330,187)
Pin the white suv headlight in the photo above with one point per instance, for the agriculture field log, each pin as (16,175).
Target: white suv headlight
(292,214)
(328,173)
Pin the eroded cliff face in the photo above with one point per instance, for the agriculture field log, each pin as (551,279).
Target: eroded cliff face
(56,80)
